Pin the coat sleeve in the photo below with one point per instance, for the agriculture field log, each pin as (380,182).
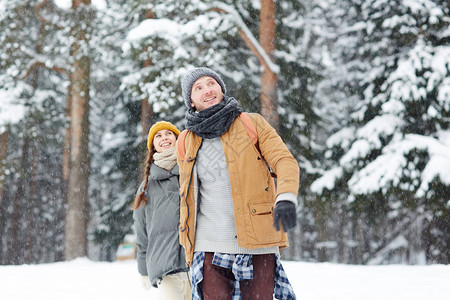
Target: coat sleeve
(141,237)
(278,156)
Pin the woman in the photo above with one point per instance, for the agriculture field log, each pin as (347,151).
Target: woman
(160,257)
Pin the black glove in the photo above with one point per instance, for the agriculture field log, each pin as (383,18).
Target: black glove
(285,213)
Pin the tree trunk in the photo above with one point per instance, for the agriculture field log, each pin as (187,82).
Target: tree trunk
(146,117)
(147,114)
(269,80)
(320,220)
(30,234)
(30,204)
(147,109)
(15,236)
(4,137)
(67,141)
(77,195)
(341,238)
(66,163)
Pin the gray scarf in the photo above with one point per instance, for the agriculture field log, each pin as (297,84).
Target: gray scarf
(213,121)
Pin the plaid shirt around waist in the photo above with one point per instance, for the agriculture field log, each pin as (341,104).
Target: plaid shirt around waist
(242,267)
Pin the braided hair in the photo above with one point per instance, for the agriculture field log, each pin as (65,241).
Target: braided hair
(141,196)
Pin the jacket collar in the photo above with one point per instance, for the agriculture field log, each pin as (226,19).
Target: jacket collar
(158,173)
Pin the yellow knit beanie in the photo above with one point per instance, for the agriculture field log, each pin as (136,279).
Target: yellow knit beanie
(160,126)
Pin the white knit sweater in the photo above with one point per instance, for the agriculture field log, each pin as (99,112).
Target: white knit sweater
(215,227)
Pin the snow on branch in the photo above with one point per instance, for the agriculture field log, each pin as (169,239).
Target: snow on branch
(38,60)
(327,180)
(11,110)
(35,64)
(388,168)
(247,36)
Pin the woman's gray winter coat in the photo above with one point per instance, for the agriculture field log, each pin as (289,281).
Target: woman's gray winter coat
(159,251)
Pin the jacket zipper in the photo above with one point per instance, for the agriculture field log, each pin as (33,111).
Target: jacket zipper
(187,193)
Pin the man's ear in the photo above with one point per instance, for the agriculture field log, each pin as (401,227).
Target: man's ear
(192,104)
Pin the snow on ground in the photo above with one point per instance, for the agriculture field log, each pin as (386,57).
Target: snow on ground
(85,279)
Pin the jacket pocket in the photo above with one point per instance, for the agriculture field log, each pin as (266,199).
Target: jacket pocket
(261,215)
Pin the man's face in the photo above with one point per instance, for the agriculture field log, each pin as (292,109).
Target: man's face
(205,93)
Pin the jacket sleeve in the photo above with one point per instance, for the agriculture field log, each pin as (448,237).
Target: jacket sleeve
(278,156)
(141,237)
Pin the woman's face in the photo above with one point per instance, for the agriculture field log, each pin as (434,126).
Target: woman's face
(163,140)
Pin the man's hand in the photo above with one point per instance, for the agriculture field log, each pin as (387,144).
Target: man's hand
(285,213)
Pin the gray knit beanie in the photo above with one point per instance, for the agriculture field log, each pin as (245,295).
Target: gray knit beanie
(192,76)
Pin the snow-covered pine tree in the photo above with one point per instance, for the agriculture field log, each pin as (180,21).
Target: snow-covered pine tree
(36,41)
(325,221)
(390,162)
(115,170)
(32,94)
(112,145)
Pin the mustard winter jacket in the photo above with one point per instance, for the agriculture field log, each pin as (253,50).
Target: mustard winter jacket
(252,186)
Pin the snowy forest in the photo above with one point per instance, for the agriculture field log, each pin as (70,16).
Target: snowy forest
(358,89)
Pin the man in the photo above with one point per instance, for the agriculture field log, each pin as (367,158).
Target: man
(230,214)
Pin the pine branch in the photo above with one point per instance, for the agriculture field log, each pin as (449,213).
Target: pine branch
(41,18)
(37,64)
(251,42)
